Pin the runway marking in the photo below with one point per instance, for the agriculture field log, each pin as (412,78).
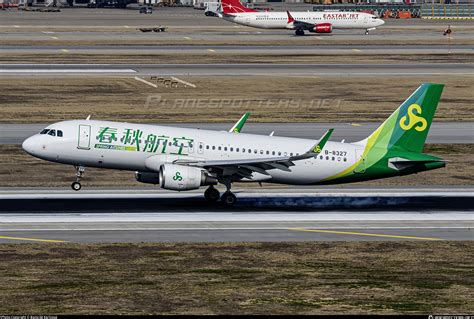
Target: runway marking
(187,38)
(356,124)
(47,32)
(146,82)
(183,82)
(33,239)
(362,234)
(55,38)
(356,50)
(211,50)
(64,50)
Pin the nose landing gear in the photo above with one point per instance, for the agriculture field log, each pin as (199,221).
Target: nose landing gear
(79,172)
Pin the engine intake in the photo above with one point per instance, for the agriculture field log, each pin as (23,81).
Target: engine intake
(322,28)
(184,178)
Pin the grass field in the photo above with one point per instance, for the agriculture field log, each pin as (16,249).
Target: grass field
(240,278)
(22,170)
(268,98)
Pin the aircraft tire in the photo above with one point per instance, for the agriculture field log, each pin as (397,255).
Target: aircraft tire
(212,194)
(76,186)
(229,199)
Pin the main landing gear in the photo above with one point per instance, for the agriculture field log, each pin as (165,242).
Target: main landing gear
(367,32)
(79,172)
(213,195)
(299,32)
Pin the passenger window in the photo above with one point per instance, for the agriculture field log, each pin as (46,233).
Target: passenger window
(255,151)
(291,154)
(52,132)
(268,152)
(213,148)
(279,153)
(237,149)
(60,133)
(219,148)
(207,147)
(261,152)
(231,149)
(273,152)
(250,151)
(225,148)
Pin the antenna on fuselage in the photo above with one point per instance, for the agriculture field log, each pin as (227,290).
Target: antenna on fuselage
(271,134)
(88,118)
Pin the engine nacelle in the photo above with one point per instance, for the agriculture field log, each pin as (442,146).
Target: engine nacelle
(148,178)
(184,178)
(322,28)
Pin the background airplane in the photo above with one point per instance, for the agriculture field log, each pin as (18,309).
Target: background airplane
(184,159)
(311,21)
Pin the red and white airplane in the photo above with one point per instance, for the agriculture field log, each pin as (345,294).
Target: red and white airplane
(315,22)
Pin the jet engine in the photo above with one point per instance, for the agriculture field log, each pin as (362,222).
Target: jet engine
(322,28)
(184,178)
(148,178)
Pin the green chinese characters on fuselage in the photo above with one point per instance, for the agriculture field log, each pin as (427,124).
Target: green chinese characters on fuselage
(137,140)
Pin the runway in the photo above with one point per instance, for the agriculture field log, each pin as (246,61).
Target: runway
(440,132)
(242,69)
(279,214)
(243,49)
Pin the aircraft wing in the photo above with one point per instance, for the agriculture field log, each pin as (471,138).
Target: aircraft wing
(296,24)
(245,167)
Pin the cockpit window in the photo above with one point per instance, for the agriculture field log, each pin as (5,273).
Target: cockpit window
(60,133)
(44,131)
(52,132)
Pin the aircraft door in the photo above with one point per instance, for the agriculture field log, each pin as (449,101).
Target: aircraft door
(366,19)
(360,169)
(84,139)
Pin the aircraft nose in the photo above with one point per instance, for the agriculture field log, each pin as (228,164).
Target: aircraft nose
(381,22)
(31,145)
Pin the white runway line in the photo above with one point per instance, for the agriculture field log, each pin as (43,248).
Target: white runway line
(183,82)
(269,217)
(42,71)
(146,82)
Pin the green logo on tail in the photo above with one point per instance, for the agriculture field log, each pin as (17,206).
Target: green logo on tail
(413,119)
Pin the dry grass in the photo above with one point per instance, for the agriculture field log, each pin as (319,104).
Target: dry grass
(251,278)
(268,98)
(19,169)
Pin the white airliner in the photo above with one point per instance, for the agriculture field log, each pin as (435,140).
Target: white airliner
(315,22)
(185,159)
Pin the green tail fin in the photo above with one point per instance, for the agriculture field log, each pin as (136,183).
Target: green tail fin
(407,127)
